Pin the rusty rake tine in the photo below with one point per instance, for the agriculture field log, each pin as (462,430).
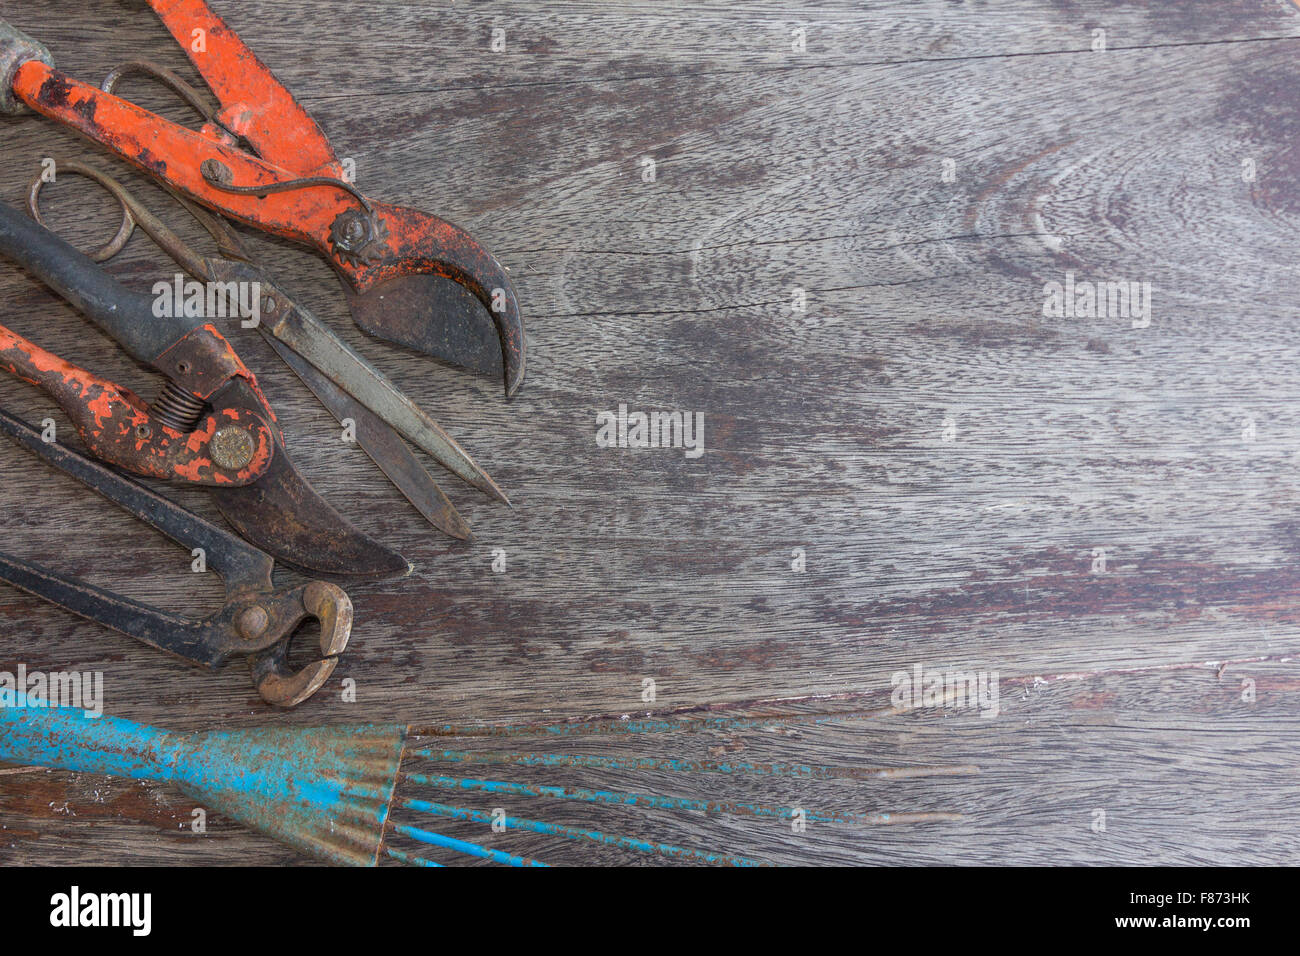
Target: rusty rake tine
(463,846)
(805,771)
(590,836)
(653,802)
(411,859)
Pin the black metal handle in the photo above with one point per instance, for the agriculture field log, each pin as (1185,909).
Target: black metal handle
(125,315)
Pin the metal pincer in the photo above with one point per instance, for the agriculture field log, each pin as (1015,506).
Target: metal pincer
(257,621)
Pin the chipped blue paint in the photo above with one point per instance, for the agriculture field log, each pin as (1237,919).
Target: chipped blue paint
(411,859)
(72,740)
(572,833)
(325,791)
(463,846)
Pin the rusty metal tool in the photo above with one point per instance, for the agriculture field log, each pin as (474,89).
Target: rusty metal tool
(258,621)
(344,382)
(342,794)
(261,159)
(211,425)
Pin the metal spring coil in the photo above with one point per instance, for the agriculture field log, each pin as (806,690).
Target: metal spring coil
(177,408)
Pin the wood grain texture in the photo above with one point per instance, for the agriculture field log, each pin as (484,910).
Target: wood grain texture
(948,457)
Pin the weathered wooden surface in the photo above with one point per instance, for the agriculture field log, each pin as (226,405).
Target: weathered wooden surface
(948,458)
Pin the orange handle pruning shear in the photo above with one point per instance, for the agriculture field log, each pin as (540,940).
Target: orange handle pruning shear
(287,181)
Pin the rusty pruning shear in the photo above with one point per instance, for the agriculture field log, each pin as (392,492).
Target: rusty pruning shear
(261,160)
(346,384)
(211,426)
(257,621)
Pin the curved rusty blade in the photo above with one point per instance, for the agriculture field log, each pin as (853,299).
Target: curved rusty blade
(381,443)
(435,315)
(401,300)
(284,516)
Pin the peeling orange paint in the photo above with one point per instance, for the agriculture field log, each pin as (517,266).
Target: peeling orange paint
(191,471)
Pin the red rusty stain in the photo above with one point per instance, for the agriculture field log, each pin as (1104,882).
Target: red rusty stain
(198,439)
(262,456)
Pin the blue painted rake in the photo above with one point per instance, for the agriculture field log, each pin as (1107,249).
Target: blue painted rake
(329,791)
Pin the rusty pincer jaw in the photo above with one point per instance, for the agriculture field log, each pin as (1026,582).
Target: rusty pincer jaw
(256,621)
(277,684)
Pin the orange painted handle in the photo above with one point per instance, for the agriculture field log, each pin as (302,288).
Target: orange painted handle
(174,154)
(119,428)
(254,103)
(415,243)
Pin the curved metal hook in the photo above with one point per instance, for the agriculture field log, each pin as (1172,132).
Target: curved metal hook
(278,685)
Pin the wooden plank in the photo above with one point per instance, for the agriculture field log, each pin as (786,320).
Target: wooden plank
(947,457)
(1057,753)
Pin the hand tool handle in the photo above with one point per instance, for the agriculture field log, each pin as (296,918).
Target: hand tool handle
(254,103)
(32,734)
(125,315)
(16,48)
(226,553)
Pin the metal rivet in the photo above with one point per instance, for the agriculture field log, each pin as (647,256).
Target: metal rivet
(253,622)
(232,448)
(215,171)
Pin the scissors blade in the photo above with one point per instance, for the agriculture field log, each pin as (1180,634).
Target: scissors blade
(283,515)
(306,335)
(381,443)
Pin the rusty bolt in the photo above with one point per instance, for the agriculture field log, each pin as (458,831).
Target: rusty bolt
(215,171)
(232,448)
(253,622)
(355,234)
